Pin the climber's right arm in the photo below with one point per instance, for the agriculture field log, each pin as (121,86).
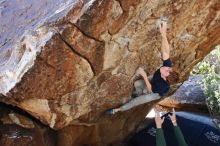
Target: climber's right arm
(144,75)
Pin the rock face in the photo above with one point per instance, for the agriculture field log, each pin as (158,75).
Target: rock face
(16,129)
(66,62)
(189,97)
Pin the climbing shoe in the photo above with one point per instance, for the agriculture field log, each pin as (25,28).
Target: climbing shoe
(110,111)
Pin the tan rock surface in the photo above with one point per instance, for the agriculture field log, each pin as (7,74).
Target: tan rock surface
(86,54)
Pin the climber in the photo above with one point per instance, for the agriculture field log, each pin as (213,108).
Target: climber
(160,140)
(159,85)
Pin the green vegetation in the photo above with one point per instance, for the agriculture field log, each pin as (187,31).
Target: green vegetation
(210,69)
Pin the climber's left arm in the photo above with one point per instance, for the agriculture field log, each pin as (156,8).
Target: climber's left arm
(165,48)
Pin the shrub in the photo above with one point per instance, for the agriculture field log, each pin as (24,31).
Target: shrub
(209,68)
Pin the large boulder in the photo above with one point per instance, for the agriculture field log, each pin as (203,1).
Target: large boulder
(189,97)
(66,62)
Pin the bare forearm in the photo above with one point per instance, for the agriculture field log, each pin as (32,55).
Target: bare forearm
(147,82)
(144,75)
(165,48)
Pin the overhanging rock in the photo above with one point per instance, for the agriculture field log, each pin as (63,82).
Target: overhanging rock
(67,62)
